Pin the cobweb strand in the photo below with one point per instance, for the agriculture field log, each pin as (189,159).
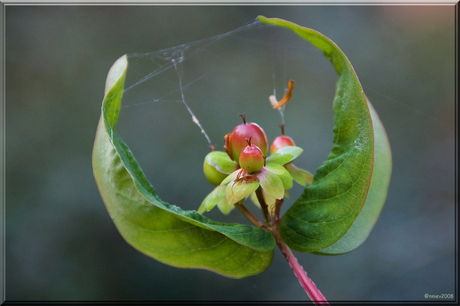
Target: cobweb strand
(174,57)
(178,67)
(170,54)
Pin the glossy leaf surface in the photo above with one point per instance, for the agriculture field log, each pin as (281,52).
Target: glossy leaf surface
(160,230)
(329,206)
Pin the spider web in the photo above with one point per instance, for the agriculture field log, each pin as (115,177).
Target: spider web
(181,100)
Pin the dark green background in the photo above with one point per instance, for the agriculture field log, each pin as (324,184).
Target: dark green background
(60,241)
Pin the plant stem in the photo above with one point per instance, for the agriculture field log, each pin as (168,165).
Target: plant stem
(276,220)
(272,225)
(263,205)
(250,216)
(307,284)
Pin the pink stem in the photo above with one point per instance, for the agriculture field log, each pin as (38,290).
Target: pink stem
(250,216)
(307,284)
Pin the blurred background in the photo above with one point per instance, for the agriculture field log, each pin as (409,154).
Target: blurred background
(60,241)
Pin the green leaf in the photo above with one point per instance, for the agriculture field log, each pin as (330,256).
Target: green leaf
(237,191)
(301,176)
(211,199)
(286,194)
(275,168)
(165,232)
(376,197)
(329,206)
(282,173)
(221,161)
(231,177)
(271,183)
(285,155)
(224,207)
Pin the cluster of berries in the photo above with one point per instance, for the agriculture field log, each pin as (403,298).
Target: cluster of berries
(245,166)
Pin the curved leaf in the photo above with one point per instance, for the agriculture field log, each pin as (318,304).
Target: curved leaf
(163,231)
(329,206)
(376,197)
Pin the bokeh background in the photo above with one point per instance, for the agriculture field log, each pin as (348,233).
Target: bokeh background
(60,241)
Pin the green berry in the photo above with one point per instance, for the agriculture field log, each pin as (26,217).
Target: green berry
(214,177)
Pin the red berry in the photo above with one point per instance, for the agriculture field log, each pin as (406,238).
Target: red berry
(281,141)
(236,141)
(251,158)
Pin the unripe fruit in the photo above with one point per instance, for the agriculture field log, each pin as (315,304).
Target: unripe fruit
(214,177)
(281,141)
(235,142)
(252,158)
